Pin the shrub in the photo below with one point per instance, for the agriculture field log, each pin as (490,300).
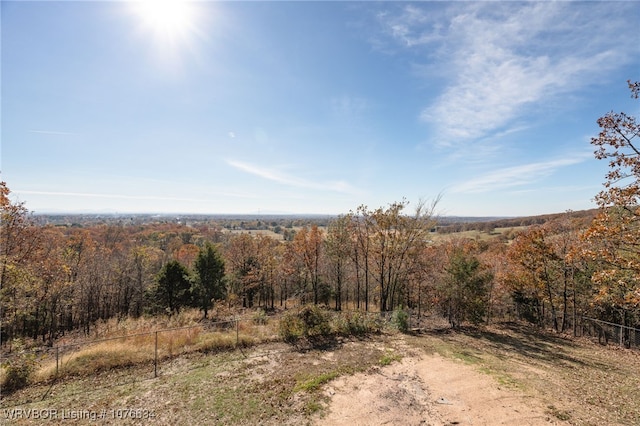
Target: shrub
(357,324)
(400,319)
(18,369)
(315,321)
(290,328)
(260,317)
(309,322)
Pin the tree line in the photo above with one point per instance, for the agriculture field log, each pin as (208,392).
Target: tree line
(56,278)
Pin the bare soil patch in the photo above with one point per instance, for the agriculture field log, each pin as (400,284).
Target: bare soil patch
(430,390)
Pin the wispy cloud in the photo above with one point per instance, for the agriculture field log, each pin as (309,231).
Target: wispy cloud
(289,180)
(501,58)
(516,176)
(562,189)
(349,105)
(52,132)
(118,196)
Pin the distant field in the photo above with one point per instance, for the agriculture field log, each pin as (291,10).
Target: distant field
(478,235)
(266,232)
(436,237)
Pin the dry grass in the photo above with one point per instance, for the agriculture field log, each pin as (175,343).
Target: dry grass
(115,327)
(578,381)
(266,384)
(138,346)
(100,357)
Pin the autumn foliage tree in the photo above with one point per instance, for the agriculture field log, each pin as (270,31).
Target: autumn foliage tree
(614,236)
(546,274)
(308,246)
(254,264)
(20,242)
(338,247)
(59,278)
(394,244)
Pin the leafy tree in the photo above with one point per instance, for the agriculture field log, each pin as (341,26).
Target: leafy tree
(187,253)
(499,300)
(540,268)
(465,288)
(566,245)
(359,228)
(289,271)
(208,284)
(338,248)
(270,256)
(241,254)
(307,244)
(20,243)
(397,242)
(143,263)
(172,288)
(614,235)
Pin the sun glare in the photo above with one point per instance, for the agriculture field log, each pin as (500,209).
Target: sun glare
(170,19)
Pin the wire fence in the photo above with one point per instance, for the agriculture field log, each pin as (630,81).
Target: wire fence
(162,343)
(152,353)
(607,332)
(148,352)
(154,346)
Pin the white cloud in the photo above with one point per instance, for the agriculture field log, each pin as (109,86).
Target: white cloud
(500,58)
(510,177)
(286,179)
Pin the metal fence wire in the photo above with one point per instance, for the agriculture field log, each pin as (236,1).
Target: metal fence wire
(607,332)
(158,344)
(151,349)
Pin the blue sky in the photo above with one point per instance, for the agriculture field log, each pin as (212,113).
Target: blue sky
(311,107)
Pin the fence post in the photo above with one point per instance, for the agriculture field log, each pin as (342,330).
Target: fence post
(155,358)
(237,332)
(57,360)
(621,336)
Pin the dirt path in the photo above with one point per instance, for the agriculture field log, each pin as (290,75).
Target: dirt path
(429,390)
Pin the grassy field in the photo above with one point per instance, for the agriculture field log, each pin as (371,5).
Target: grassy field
(266,232)
(273,383)
(479,235)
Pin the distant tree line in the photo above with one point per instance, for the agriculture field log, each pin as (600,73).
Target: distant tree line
(60,278)
(489,226)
